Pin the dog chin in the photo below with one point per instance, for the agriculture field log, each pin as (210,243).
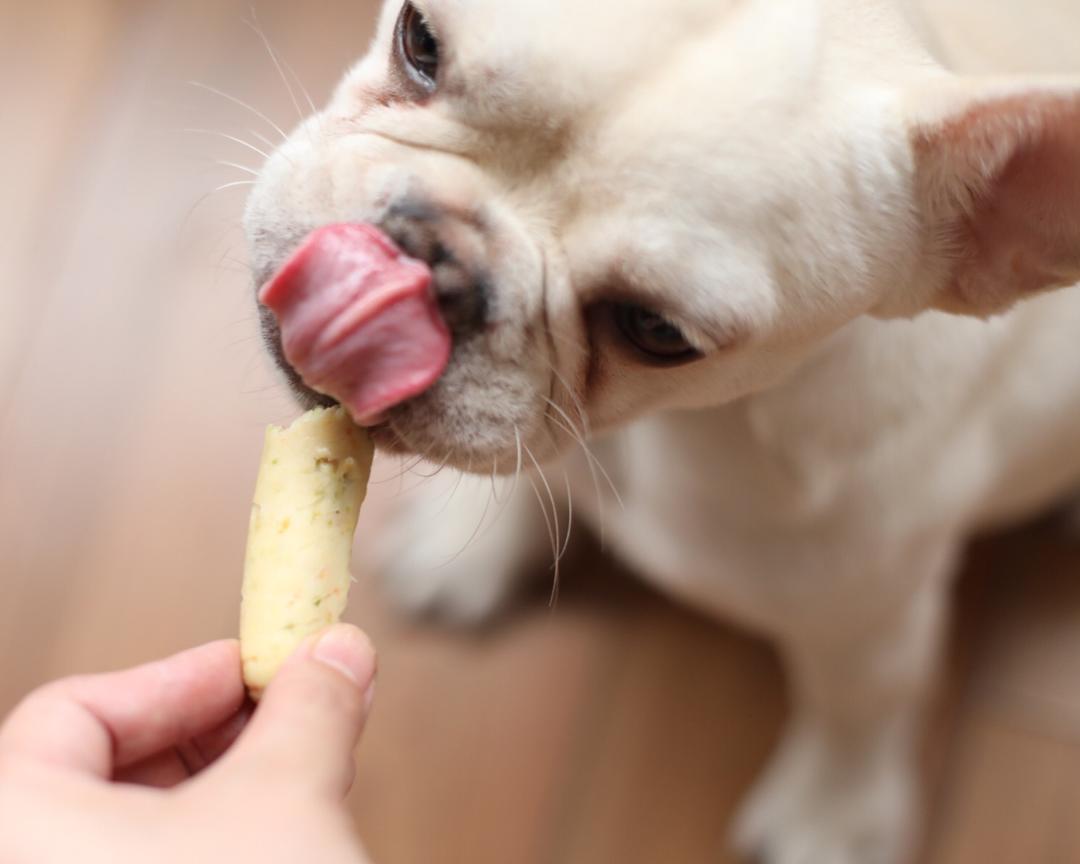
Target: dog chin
(474,437)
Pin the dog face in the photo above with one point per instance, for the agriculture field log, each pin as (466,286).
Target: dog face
(627,206)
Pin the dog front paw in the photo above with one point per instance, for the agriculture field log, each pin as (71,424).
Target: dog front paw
(820,803)
(454,551)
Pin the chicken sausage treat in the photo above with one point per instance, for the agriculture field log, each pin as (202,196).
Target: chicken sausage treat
(312,481)
(359,322)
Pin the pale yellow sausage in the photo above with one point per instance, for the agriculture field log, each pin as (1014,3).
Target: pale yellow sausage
(312,481)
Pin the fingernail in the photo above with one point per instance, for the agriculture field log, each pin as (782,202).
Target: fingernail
(347,650)
(369,697)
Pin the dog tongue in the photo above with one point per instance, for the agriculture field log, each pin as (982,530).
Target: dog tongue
(358,320)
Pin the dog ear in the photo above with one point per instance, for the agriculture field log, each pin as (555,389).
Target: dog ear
(997,172)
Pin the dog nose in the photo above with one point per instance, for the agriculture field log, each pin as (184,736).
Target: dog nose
(460,288)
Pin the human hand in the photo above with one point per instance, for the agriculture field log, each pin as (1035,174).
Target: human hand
(167,763)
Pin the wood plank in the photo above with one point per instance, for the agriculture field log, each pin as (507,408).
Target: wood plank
(691,716)
(470,747)
(1030,660)
(1013,801)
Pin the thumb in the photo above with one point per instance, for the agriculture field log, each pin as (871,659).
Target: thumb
(310,718)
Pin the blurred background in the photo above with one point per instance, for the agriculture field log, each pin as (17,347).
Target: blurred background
(133,395)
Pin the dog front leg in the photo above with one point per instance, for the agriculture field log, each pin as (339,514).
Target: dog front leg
(842,788)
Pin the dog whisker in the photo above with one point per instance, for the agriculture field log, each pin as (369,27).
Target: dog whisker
(423,457)
(238,167)
(513,486)
(569,490)
(404,467)
(204,198)
(476,534)
(243,340)
(256,391)
(607,477)
(402,471)
(300,84)
(554,529)
(589,459)
(427,478)
(517,469)
(453,492)
(232,185)
(257,29)
(592,460)
(582,414)
(262,139)
(235,139)
(436,471)
(547,521)
(569,515)
(242,104)
(494,472)
(226,255)
(579,437)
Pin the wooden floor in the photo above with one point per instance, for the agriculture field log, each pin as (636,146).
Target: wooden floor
(132,398)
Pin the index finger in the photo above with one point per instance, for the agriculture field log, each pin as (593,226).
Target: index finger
(96,724)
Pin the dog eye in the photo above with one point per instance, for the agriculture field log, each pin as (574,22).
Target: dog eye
(417,46)
(656,338)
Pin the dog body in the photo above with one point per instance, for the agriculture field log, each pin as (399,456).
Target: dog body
(837,226)
(827,513)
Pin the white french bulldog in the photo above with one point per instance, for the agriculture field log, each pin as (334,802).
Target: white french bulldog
(767,255)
